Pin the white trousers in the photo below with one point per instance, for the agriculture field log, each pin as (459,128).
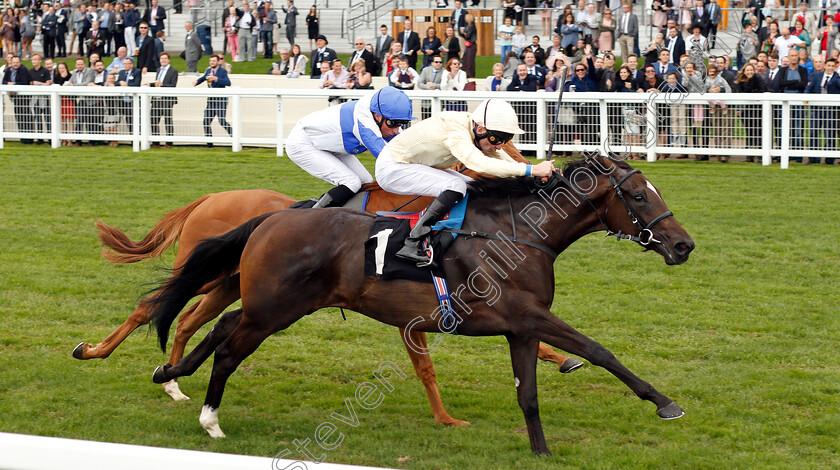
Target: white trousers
(413,178)
(130,35)
(334,168)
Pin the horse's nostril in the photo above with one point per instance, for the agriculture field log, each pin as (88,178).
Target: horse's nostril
(683,247)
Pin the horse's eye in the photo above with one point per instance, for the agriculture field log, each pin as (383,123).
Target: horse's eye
(638,198)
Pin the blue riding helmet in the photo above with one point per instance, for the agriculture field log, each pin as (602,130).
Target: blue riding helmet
(392,104)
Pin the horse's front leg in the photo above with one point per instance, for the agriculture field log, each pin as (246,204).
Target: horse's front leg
(523,357)
(557,333)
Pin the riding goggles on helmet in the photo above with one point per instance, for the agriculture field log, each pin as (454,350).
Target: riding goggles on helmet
(498,138)
(394,123)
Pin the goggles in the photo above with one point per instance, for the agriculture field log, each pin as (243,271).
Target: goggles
(498,138)
(393,123)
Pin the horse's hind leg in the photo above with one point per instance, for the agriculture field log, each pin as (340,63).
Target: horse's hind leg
(425,370)
(139,317)
(523,357)
(567,364)
(208,308)
(191,362)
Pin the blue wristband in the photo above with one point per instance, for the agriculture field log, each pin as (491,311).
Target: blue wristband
(527,170)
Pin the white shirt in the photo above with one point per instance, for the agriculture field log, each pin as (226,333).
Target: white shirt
(783,45)
(162,73)
(245,21)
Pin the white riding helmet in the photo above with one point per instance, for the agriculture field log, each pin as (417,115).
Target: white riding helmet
(497,115)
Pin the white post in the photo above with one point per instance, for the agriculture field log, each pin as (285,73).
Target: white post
(766,132)
(651,121)
(2,113)
(541,127)
(604,127)
(145,121)
(279,125)
(55,120)
(785,134)
(237,123)
(135,124)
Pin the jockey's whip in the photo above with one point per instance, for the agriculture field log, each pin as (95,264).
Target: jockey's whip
(562,82)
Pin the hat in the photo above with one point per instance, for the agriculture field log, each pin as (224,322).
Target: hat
(321,36)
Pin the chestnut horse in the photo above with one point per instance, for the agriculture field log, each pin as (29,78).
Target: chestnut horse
(279,285)
(215,214)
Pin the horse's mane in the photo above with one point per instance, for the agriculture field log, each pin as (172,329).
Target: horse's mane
(524,185)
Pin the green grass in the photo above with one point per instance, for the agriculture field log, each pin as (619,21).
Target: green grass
(743,336)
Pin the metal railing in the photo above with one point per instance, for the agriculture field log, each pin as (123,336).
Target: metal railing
(650,124)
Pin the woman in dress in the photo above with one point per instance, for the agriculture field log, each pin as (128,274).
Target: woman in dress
(470,47)
(769,44)
(660,14)
(232,33)
(450,44)
(545,14)
(682,14)
(7,30)
(748,81)
(312,20)
(606,36)
(27,34)
(431,46)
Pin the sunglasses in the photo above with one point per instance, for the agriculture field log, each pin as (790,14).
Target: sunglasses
(393,123)
(437,61)
(498,138)
(580,70)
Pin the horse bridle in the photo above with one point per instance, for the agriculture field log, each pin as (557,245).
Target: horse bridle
(645,236)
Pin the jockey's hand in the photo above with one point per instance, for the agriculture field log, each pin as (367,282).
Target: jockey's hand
(543,169)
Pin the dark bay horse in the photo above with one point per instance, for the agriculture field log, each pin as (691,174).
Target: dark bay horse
(287,272)
(215,214)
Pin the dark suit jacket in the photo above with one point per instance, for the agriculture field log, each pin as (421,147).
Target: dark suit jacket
(328,55)
(701,21)
(679,48)
(461,23)
(413,45)
(22,76)
(95,44)
(170,80)
(161,13)
(774,84)
(222,79)
(146,58)
(48,25)
(370,60)
(530,83)
(131,78)
(815,85)
(381,51)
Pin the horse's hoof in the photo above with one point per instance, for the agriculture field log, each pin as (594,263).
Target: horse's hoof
(570,365)
(79,351)
(670,411)
(452,422)
(159,376)
(209,420)
(171,388)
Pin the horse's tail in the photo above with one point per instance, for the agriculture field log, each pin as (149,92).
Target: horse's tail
(121,249)
(213,258)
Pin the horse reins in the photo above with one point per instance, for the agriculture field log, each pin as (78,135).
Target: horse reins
(645,236)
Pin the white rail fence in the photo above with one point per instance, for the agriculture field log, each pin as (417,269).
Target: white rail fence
(765,126)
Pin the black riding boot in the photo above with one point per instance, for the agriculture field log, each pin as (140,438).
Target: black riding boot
(335,197)
(413,249)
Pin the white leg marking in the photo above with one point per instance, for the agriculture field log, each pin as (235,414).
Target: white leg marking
(171,388)
(209,420)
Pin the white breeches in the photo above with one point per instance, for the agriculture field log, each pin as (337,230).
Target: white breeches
(413,178)
(130,35)
(334,168)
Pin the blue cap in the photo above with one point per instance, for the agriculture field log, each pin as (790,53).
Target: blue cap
(392,104)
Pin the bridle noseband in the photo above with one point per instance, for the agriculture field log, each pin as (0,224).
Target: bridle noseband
(645,236)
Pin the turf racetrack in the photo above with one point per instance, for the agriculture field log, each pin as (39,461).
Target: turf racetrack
(744,336)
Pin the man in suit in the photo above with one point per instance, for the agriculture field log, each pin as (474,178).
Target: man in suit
(723,70)
(281,67)
(772,75)
(410,41)
(321,54)
(633,63)
(627,29)
(146,45)
(290,21)
(63,16)
(457,20)
(362,53)
(664,66)
(715,15)
(81,76)
(268,19)
(532,68)
(192,48)
(216,77)
(675,45)
(106,23)
(793,78)
(430,80)
(155,16)
(824,117)
(95,40)
(48,32)
(167,76)
(382,44)
(700,17)
(17,74)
